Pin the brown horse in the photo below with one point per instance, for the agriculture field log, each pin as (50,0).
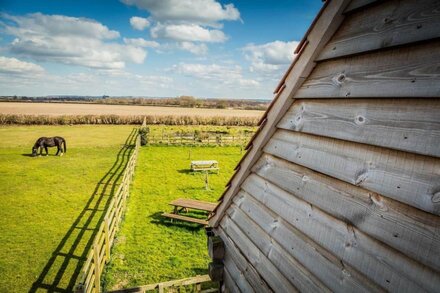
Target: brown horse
(44,142)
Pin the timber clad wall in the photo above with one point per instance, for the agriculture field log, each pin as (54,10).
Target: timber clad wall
(341,188)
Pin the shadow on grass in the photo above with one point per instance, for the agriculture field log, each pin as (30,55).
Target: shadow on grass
(185,171)
(39,156)
(158,219)
(73,248)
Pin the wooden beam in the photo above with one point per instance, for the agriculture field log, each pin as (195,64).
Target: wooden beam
(216,248)
(382,264)
(413,232)
(388,24)
(410,71)
(215,271)
(408,178)
(323,29)
(336,275)
(404,124)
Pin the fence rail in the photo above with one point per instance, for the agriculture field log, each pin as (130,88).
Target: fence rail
(178,139)
(99,255)
(175,286)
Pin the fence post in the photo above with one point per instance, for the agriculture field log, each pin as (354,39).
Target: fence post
(79,288)
(97,269)
(107,238)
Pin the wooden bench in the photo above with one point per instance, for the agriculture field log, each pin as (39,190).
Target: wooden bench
(211,165)
(185,218)
(185,204)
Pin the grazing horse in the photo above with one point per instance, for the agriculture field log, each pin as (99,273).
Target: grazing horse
(44,142)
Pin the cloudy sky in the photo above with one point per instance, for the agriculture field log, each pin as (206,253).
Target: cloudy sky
(165,48)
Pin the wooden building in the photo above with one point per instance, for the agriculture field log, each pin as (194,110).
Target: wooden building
(340,187)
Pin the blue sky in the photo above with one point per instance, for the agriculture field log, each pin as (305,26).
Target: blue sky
(165,48)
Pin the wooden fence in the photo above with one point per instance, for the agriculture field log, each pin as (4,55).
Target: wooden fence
(176,286)
(180,139)
(99,255)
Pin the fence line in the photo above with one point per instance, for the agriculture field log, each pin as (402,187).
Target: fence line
(99,254)
(174,286)
(179,139)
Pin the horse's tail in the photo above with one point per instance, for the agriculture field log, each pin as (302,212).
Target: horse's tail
(65,147)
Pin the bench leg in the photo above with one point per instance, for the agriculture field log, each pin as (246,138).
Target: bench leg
(174,212)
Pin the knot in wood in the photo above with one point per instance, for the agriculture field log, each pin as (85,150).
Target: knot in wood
(359,120)
(387,19)
(436,197)
(339,79)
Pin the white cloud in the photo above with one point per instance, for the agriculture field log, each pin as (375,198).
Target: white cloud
(200,49)
(187,32)
(91,82)
(139,23)
(228,75)
(70,40)
(140,42)
(207,12)
(187,21)
(270,57)
(15,66)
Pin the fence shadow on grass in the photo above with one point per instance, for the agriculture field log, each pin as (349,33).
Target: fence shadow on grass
(72,250)
(158,219)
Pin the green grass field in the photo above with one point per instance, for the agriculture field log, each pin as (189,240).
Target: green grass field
(50,205)
(149,248)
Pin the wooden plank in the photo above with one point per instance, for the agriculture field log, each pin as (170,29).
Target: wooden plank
(97,273)
(194,204)
(229,283)
(270,273)
(233,254)
(410,71)
(337,276)
(324,27)
(356,4)
(173,283)
(184,218)
(409,230)
(382,264)
(408,178)
(293,270)
(405,124)
(237,277)
(388,24)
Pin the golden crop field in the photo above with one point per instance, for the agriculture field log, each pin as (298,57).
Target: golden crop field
(122,110)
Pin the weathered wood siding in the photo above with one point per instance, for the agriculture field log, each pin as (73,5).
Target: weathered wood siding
(345,193)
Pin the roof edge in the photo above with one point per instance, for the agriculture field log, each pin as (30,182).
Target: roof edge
(322,29)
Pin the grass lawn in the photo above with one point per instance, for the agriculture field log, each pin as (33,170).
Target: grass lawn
(51,205)
(149,248)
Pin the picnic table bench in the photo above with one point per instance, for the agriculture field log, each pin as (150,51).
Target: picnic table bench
(185,204)
(210,165)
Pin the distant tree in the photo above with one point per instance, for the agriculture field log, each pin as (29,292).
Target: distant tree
(187,101)
(221,104)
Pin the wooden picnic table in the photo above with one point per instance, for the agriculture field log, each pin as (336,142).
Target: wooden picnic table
(185,204)
(210,165)
(194,204)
